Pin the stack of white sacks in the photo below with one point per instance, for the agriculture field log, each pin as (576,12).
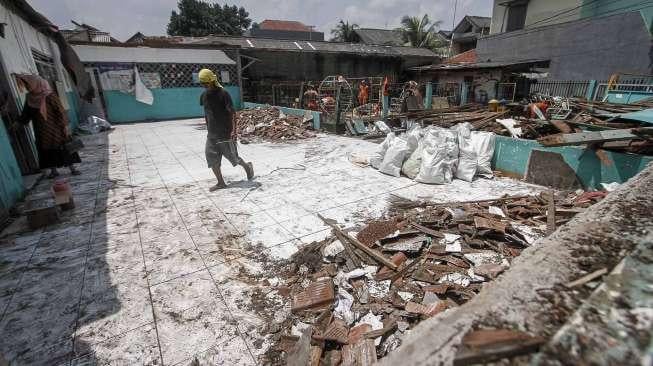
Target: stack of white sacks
(436,155)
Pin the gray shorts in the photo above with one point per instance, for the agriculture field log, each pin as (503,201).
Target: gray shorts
(216,149)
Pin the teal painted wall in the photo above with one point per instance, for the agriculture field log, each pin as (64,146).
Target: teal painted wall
(290,111)
(11,181)
(511,155)
(594,8)
(168,104)
(73,116)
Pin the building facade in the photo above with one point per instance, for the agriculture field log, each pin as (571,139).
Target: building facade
(582,40)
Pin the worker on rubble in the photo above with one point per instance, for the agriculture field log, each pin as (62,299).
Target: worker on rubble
(221,126)
(363,93)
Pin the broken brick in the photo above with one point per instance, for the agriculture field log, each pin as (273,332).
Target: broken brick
(398,259)
(356,333)
(489,270)
(317,294)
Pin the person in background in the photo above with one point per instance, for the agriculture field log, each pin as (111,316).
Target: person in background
(221,126)
(363,93)
(310,98)
(50,122)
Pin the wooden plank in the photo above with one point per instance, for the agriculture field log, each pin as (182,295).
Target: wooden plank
(369,251)
(551,214)
(589,137)
(587,278)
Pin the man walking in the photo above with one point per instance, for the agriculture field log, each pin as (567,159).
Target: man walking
(221,126)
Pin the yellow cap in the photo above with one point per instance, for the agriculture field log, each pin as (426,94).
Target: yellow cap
(207,76)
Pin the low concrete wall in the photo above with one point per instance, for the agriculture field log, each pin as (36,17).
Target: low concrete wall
(528,296)
(169,103)
(592,168)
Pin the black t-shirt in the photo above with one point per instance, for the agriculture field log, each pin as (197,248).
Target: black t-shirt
(218,111)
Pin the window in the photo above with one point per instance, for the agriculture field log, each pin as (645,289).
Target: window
(516,17)
(45,66)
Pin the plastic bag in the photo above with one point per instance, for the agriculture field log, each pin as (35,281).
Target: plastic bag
(412,164)
(394,157)
(377,158)
(383,127)
(94,124)
(483,143)
(439,156)
(467,159)
(413,136)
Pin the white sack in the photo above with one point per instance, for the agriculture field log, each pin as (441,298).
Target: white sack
(377,158)
(394,157)
(509,124)
(412,164)
(413,136)
(466,152)
(439,156)
(483,143)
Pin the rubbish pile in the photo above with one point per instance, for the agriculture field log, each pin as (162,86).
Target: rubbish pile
(620,127)
(355,297)
(271,124)
(436,155)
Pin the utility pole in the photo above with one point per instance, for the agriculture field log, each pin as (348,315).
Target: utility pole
(453,25)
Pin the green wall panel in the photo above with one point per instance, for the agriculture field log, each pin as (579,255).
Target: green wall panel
(168,104)
(11,181)
(511,155)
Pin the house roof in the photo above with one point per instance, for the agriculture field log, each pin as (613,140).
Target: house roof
(284,25)
(251,43)
(480,22)
(387,37)
(476,65)
(468,57)
(129,54)
(445,33)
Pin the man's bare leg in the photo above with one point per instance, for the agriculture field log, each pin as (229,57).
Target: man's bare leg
(218,174)
(249,168)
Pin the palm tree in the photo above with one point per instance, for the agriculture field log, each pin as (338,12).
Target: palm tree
(420,33)
(344,32)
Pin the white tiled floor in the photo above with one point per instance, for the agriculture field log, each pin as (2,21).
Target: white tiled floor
(147,269)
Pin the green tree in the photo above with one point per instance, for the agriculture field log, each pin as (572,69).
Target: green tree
(197,18)
(420,32)
(344,32)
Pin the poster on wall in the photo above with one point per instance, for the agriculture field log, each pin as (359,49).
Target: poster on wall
(152,80)
(121,78)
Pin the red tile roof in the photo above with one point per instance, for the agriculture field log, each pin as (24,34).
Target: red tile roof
(467,57)
(285,25)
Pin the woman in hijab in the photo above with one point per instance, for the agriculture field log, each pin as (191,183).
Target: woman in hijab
(50,122)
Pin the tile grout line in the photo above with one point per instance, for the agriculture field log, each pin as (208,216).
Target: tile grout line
(105,163)
(140,240)
(20,279)
(224,301)
(197,183)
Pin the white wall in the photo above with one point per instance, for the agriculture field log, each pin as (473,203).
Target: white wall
(537,11)
(16,50)
(483,79)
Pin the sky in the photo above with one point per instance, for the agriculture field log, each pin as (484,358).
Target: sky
(123,18)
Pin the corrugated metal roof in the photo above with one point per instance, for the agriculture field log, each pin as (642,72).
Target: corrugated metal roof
(386,37)
(474,66)
(289,45)
(97,54)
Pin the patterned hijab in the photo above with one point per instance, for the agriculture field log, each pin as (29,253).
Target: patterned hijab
(37,90)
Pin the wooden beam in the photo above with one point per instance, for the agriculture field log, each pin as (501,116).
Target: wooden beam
(369,251)
(589,137)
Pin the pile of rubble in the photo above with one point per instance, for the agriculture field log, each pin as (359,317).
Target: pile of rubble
(355,297)
(271,124)
(548,119)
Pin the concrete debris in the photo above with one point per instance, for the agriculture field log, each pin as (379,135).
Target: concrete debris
(462,246)
(270,124)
